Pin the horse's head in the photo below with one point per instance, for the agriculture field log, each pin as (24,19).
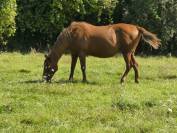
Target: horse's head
(49,69)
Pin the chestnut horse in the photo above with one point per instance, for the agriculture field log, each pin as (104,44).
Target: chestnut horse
(83,39)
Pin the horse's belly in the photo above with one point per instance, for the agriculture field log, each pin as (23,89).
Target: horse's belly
(102,55)
(102,51)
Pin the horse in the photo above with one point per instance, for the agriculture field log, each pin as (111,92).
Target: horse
(83,39)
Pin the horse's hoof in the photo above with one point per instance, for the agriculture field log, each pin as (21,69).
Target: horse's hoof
(71,80)
(136,81)
(47,82)
(122,81)
(84,81)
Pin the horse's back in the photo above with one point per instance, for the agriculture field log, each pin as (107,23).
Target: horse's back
(90,30)
(104,41)
(94,40)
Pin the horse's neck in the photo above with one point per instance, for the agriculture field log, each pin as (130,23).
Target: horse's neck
(57,51)
(59,47)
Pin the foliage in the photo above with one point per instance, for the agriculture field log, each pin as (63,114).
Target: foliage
(38,27)
(7,20)
(159,16)
(101,105)
(168,29)
(39,22)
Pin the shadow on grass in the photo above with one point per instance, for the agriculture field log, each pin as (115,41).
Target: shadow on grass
(168,77)
(163,77)
(62,81)
(24,71)
(32,81)
(149,78)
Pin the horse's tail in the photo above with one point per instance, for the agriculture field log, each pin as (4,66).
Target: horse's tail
(150,38)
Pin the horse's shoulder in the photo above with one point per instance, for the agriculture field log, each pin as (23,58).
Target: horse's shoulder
(78,30)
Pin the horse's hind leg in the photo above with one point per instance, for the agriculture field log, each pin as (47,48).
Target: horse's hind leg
(73,64)
(127,58)
(135,67)
(82,58)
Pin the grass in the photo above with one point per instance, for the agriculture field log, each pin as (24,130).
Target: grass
(102,105)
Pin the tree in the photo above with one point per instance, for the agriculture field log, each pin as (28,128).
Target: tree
(7,20)
(39,22)
(158,16)
(167,10)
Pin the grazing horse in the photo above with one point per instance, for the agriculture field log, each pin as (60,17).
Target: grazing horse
(83,39)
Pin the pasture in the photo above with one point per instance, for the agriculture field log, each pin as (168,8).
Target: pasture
(101,105)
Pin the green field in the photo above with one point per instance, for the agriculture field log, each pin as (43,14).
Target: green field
(101,105)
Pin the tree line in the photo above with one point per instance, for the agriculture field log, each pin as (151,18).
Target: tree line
(26,24)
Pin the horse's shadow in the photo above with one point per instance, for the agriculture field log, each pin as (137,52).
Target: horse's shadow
(62,81)
(164,77)
(170,77)
(32,81)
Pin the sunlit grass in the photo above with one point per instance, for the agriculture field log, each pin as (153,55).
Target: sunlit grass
(101,105)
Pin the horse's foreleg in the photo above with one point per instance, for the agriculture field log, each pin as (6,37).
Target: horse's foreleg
(135,67)
(73,64)
(127,58)
(82,58)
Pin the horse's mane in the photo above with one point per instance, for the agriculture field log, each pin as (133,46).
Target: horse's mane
(62,37)
(65,35)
